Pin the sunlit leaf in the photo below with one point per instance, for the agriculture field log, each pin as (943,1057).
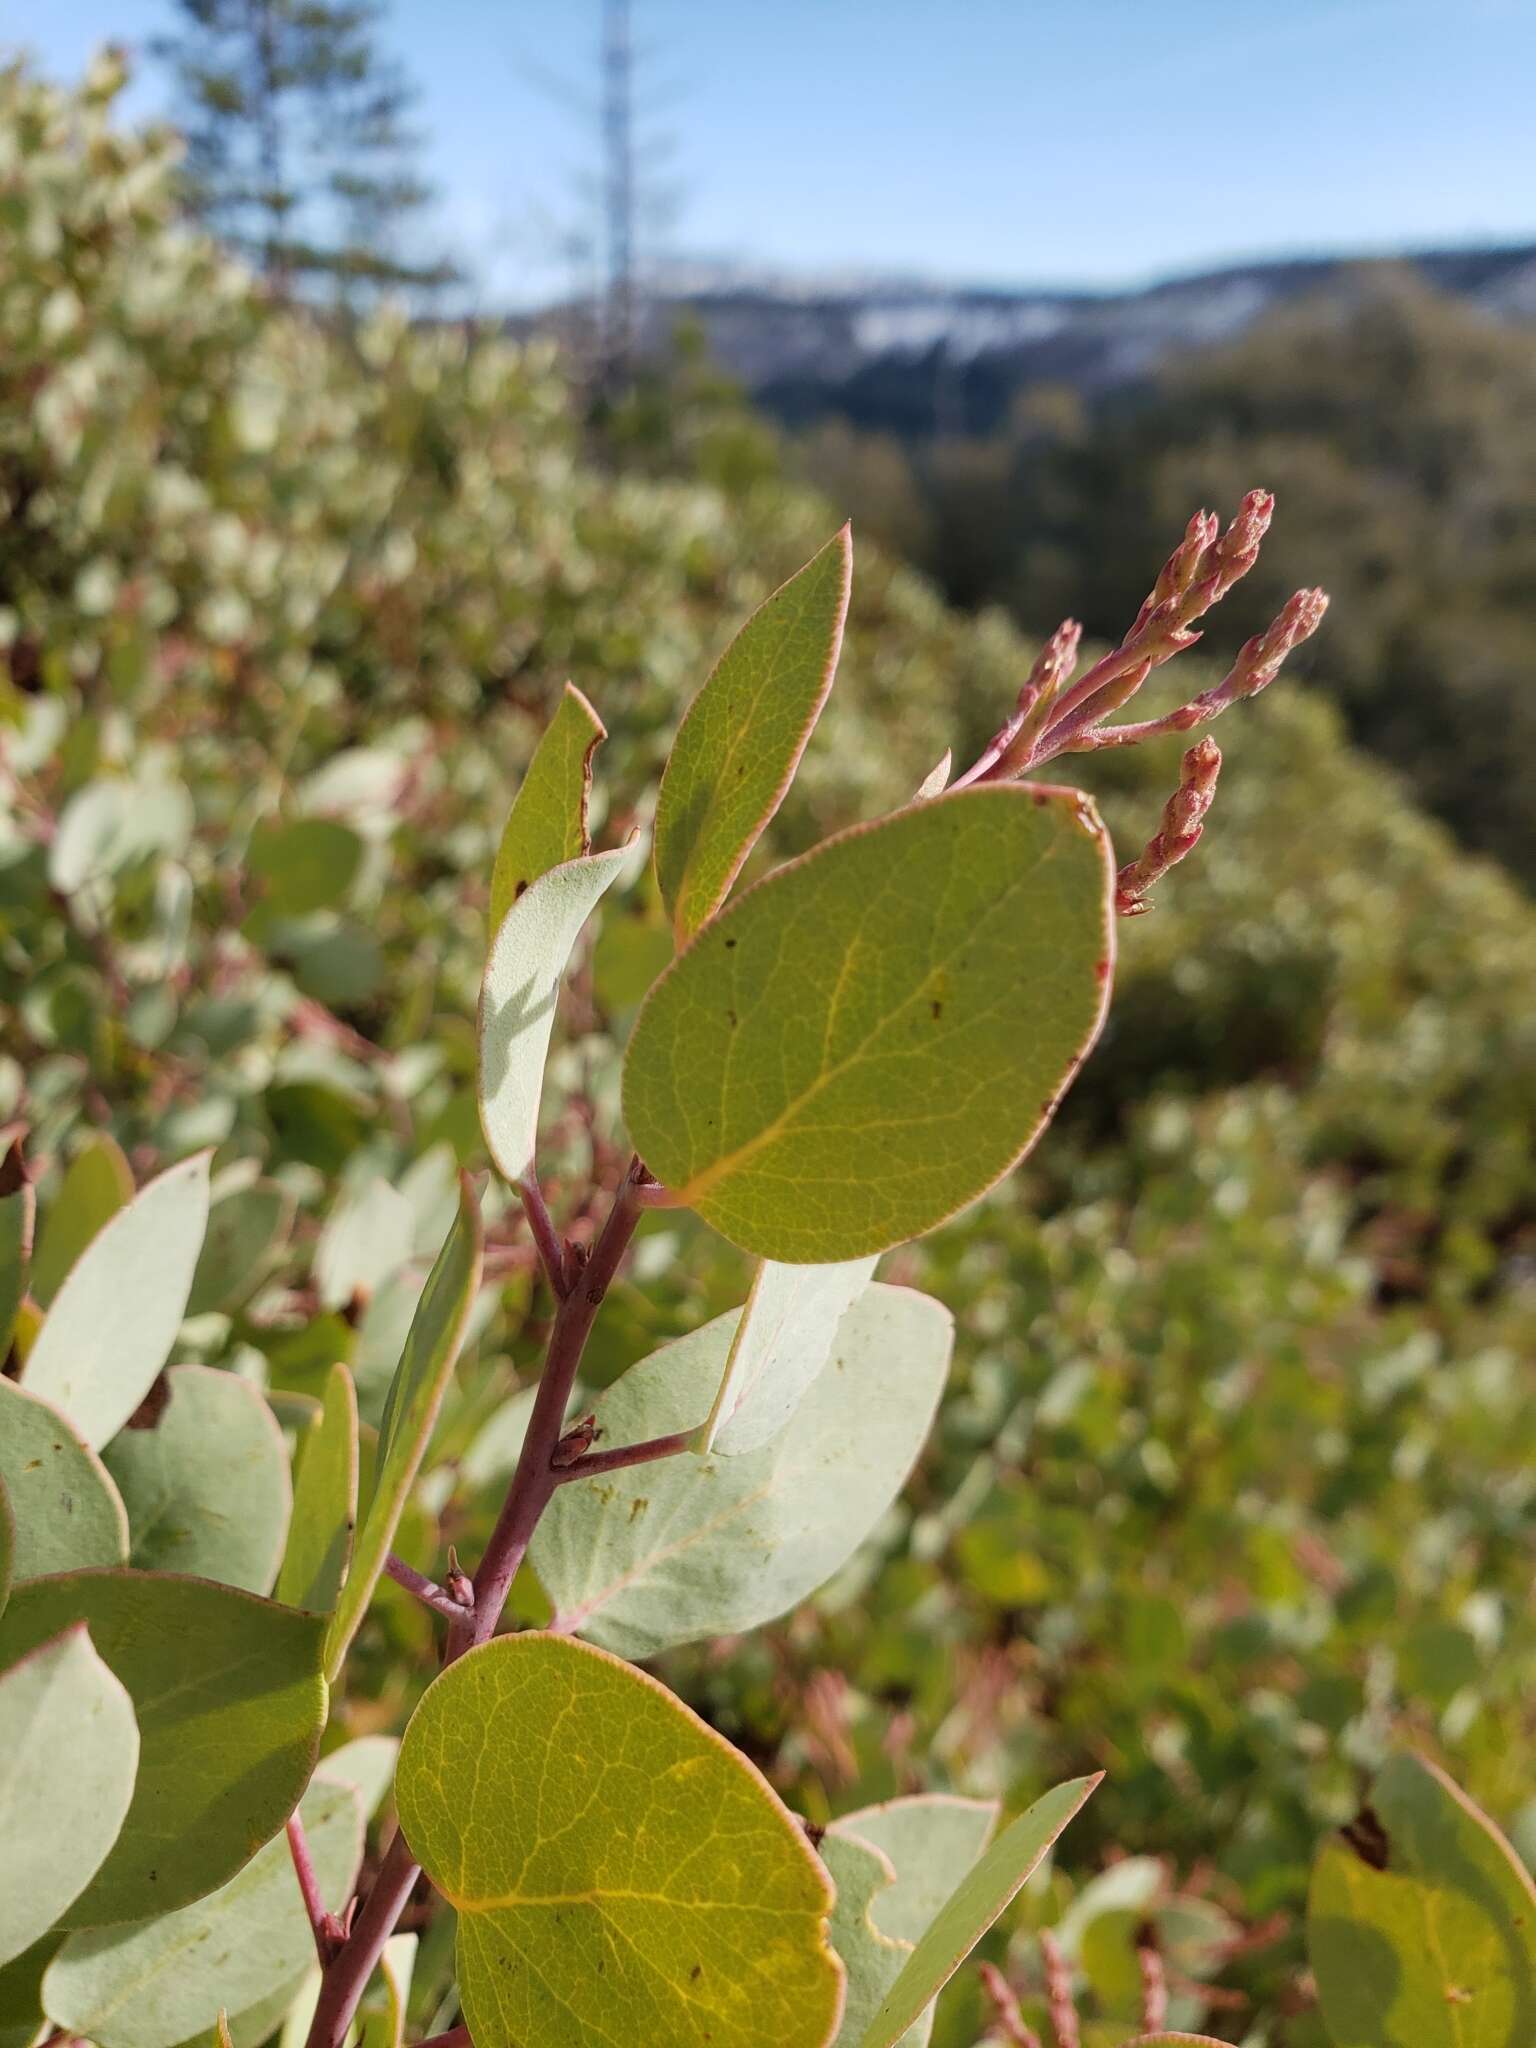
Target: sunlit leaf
(781,1343)
(228,1694)
(970,1911)
(547,824)
(664,1553)
(68,1512)
(69,1749)
(17,1214)
(205,1481)
(114,1320)
(619,1872)
(740,742)
(154,1983)
(932,1839)
(324,1517)
(872,1036)
(1421,1925)
(872,1960)
(415,1395)
(527,960)
(97,1183)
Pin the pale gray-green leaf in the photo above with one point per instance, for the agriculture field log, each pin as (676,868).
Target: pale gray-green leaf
(68,1512)
(69,1750)
(153,1983)
(206,1483)
(782,1342)
(527,961)
(872,1960)
(114,1320)
(665,1553)
(932,1839)
(368,1237)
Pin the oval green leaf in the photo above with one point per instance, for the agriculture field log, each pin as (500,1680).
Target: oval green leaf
(228,1694)
(620,1873)
(115,1318)
(781,1344)
(931,1839)
(244,1228)
(741,739)
(206,1481)
(871,1960)
(874,1035)
(967,1914)
(324,1516)
(665,1553)
(304,866)
(547,823)
(415,1395)
(528,957)
(69,1749)
(68,1512)
(155,1983)
(1421,1925)
(97,1183)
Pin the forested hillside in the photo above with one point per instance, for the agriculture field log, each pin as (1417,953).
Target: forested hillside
(1233,1484)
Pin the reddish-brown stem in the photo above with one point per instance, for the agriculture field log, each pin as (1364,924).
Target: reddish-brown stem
(1007,2019)
(1154,1988)
(426,1590)
(346,1977)
(591,1463)
(1058,1992)
(456,2037)
(323,1923)
(545,1236)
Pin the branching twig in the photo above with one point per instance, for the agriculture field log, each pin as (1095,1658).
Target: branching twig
(426,1590)
(327,1928)
(1058,1992)
(587,1464)
(1154,1983)
(1180,830)
(545,1236)
(1007,2020)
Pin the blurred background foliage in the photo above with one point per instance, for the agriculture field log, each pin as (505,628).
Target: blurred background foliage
(1233,1488)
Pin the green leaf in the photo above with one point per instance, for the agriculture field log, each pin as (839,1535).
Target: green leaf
(7,1545)
(874,1035)
(871,1960)
(244,1228)
(782,1342)
(367,1239)
(1175,2041)
(367,1764)
(517,1001)
(115,1318)
(932,1839)
(305,866)
(619,1872)
(206,1482)
(665,1553)
(69,1749)
(324,1516)
(97,1183)
(230,1702)
(1421,1927)
(21,1993)
(153,1983)
(970,1911)
(68,1512)
(18,1210)
(740,742)
(415,1395)
(382,2018)
(547,824)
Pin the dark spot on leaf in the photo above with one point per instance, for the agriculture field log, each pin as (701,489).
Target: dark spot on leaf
(729,944)
(522,885)
(1041,799)
(734,1019)
(1101,969)
(936,1010)
(1368,1838)
(696,1972)
(13,1170)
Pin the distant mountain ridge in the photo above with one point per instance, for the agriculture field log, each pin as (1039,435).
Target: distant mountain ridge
(914,357)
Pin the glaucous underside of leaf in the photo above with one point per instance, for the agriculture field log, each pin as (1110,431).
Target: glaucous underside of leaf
(547,824)
(782,1342)
(618,1870)
(1421,1922)
(68,1512)
(741,739)
(875,1034)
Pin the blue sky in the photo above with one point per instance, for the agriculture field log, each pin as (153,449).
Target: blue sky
(1080,142)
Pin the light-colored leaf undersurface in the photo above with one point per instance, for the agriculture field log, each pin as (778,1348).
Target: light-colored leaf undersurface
(113,1322)
(68,1512)
(967,1914)
(620,1873)
(782,1342)
(368,1237)
(875,1034)
(7,1545)
(1437,1950)
(206,1486)
(932,1839)
(527,962)
(229,1698)
(872,1960)
(415,1395)
(547,823)
(324,1517)
(664,1553)
(97,1183)
(154,1983)
(69,1750)
(741,739)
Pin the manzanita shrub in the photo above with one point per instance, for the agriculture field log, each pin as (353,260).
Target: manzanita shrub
(838,1058)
